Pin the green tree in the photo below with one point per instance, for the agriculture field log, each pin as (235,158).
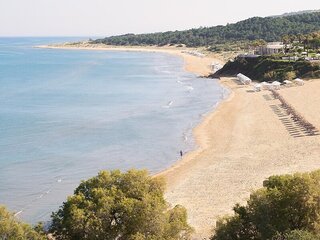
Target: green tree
(117,205)
(297,235)
(12,229)
(286,203)
(268,29)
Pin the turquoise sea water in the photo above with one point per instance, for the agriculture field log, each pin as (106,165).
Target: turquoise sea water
(66,114)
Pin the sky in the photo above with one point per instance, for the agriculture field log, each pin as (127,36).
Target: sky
(113,17)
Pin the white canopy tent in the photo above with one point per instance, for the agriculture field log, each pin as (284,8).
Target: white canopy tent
(265,86)
(276,85)
(298,81)
(244,79)
(288,83)
(257,87)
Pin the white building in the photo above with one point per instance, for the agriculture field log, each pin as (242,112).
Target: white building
(270,48)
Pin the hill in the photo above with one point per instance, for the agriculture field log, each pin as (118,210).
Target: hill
(268,29)
(270,68)
(296,13)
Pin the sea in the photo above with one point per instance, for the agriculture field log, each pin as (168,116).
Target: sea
(65,115)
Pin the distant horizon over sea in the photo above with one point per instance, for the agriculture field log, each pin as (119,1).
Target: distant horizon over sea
(66,115)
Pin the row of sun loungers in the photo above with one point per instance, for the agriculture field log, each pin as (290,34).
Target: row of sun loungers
(296,117)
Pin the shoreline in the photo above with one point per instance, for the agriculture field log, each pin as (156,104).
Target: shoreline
(189,61)
(200,66)
(239,144)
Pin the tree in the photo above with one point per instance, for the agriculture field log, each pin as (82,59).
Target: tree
(12,229)
(297,235)
(268,29)
(286,203)
(115,205)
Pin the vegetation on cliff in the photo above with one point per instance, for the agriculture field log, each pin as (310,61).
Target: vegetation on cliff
(270,68)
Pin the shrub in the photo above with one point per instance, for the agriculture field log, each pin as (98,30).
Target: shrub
(297,235)
(284,204)
(12,229)
(117,205)
(267,68)
(290,75)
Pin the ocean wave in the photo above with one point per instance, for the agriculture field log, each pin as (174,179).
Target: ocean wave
(185,137)
(4,53)
(168,104)
(190,88)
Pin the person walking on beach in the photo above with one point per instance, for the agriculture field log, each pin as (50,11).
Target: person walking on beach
(181,153)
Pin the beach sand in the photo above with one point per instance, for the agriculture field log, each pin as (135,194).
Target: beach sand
(240,144)
(201,66)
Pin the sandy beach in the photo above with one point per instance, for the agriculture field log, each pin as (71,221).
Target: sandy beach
(198,65)
(240,144)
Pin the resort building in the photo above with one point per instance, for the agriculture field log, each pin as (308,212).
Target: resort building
(270,48)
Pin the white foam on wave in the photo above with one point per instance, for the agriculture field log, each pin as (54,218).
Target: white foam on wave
(185,137)
(11,53)
(190,88)
(168,104)
(18,213)
(40,197)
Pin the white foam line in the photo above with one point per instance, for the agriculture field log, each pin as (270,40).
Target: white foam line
(17,213)
(190,88)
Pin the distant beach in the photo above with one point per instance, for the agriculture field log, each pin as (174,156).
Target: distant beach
(240,144)
(198,65)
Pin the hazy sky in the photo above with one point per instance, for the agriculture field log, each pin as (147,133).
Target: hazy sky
(106,17)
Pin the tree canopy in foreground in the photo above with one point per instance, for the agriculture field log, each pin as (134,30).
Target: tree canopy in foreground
(12,229)
(286,208)
(115,205)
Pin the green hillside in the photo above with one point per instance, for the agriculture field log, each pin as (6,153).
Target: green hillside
(268,29)
(270,68)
